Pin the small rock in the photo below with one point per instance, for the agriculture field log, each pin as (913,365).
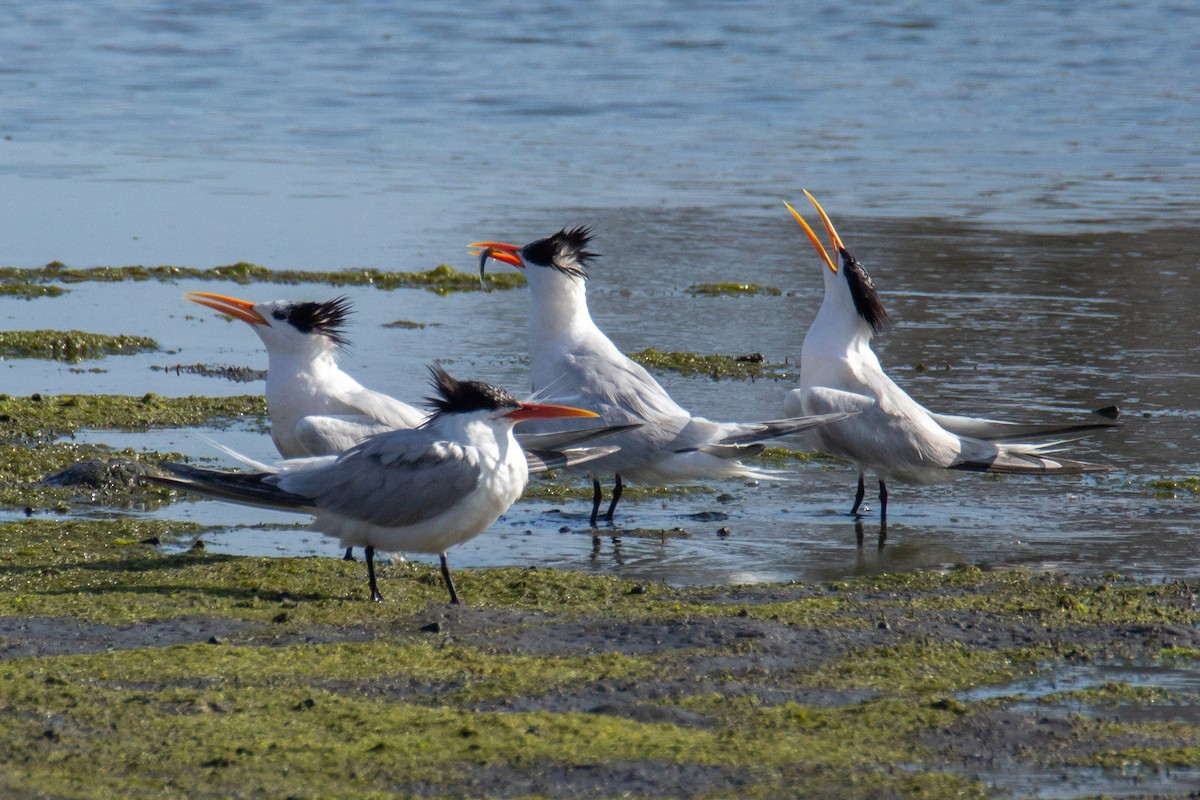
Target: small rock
(97,473)
(724,532)
(213,640)
(432,627)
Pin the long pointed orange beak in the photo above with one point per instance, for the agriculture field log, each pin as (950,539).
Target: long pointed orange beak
(812,237)
(242,309)
(501,251)
(835,240)
(546,411)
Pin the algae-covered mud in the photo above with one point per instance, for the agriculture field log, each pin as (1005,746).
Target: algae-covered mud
(71,346)
(442,279)
(744,367)
(127,671)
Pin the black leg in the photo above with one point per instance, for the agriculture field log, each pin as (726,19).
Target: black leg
(616,498)
(882,501)
(882,534)
(597,496)
(375,595)
(446,577)
(349,554)
(858,497)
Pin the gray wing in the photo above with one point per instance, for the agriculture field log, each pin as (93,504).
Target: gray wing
(385,410)
(617,388)
(1016,459)
(992,430)
(392,479)
(559,440)
(330,434)
(543,460)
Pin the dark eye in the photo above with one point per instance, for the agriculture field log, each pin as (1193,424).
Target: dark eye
(279,315)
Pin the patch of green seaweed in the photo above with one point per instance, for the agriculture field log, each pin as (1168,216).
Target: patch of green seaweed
(71,346)
(1171,487)
(40,417)
(442,279)
(747,367)
(731,289)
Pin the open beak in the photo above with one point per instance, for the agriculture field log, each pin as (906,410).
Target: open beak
(546,411)
(501,251)
(834,239)
(242,309)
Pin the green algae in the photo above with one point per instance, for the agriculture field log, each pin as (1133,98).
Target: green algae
(40,417)
(29,291)
(746,367)
(1113,694)
(552,488)
(441,280)
(730,289)
(404,324)
(71,346)
(382,703)
(787,457)
(928,667)
(1171,487)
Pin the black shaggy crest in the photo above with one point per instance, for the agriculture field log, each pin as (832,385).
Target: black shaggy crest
(458,396)
(862,291)
(327,319)
(564,251)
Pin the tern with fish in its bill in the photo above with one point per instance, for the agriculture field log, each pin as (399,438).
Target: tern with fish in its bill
(573,362)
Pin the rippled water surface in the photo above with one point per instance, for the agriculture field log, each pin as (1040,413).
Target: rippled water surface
(1020,179)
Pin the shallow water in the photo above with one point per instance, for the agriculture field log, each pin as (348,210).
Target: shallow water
(1020,180)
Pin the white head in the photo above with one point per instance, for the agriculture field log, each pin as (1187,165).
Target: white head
(556,268)
(287,327)
(561,257)
(848,287)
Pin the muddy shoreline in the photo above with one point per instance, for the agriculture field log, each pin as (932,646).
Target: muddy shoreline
(273,678)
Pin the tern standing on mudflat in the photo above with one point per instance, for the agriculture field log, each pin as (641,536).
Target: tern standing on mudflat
(573,362)
(317,409)
(892,435)
(420,490)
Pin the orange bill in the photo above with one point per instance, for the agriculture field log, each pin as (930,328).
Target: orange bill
(812,237)
(241,309)
(546,411)
(833,237)
(501,251)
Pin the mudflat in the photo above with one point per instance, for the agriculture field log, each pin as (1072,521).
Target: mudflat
(129,671)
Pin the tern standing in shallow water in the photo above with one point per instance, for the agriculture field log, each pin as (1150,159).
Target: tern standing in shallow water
(892,435)
(573,362)
(317,409)
(421,489)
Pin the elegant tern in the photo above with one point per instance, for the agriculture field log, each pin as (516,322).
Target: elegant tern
(422,489)
(893,436)
(573,362)
(318,409)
